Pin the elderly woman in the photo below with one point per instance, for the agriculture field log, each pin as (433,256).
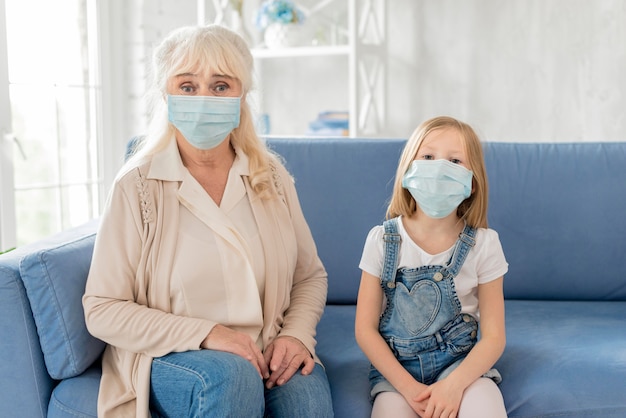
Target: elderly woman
(205,281)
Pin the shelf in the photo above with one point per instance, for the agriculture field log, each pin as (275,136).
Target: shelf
(302,51)
(364,50)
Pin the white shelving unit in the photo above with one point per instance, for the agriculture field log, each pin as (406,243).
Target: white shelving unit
(301,51)
(365,51)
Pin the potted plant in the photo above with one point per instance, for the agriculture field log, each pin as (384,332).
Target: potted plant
(278,20)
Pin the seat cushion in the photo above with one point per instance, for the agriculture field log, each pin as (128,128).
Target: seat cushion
(346,365)
(562,359)
(77,396)
(54,278)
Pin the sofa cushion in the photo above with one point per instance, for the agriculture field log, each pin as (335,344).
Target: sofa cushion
(346,366)
(54,279)
(341,178)
(564,359)
(77,396)
(559,210)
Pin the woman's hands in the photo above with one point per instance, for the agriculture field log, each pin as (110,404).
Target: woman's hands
(282,359)
(285,355)
(222,338)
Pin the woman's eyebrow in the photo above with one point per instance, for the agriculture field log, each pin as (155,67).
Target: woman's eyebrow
(185,75)
(213,76)
(230,77)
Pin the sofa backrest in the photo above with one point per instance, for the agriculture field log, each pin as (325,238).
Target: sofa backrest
(560,210)
(344,187)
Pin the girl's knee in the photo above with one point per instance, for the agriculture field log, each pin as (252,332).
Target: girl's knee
(392,404)
(482,399)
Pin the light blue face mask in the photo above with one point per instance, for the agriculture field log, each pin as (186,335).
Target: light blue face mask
(204,121)
(438,186)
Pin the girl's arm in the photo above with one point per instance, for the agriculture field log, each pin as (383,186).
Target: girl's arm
(446,394)
(368,311)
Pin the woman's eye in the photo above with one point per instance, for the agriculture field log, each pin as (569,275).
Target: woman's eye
(186,89)
(221,88)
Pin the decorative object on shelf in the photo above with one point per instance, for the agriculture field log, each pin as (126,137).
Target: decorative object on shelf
(330,123)
(279,20)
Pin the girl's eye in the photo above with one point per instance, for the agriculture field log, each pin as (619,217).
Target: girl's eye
(455,161)
(427,157)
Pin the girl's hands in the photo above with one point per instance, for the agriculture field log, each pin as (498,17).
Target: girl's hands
(222,338)
(442,400)
(414,396)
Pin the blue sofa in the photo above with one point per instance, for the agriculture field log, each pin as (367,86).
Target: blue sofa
(560,210)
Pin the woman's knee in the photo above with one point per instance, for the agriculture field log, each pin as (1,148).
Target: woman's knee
(206,381)
(302,396)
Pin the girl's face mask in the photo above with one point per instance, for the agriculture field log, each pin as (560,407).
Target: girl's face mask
(438,186)
(204,121)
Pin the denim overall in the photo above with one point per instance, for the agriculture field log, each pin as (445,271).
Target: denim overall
(422,321)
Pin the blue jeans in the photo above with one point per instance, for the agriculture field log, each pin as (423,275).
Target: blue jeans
(209,383)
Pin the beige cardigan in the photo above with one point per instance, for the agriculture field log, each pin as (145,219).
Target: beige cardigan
(127,299)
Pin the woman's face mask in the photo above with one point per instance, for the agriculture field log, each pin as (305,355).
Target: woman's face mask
(438,186)
(204,121)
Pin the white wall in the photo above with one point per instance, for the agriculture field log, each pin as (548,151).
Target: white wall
(532,70)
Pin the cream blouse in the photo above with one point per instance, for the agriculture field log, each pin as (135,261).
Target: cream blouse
(231,285)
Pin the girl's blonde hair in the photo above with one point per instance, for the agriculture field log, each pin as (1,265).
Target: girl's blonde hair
(210,48)
(473,209)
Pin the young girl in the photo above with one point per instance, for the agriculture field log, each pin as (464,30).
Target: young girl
(426,272)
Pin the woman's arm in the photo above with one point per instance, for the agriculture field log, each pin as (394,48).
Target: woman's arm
(115,303)
(368,310)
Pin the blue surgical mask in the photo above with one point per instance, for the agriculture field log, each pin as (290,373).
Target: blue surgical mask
(204,121)
(438,186)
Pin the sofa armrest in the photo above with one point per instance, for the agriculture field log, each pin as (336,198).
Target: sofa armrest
(25,386)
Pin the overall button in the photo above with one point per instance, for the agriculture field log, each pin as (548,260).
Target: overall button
(473,334)
(467,318)
(391,285)
(438,277)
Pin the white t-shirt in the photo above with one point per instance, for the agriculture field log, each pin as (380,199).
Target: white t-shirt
(484,263)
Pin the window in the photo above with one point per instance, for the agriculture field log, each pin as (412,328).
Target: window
(54,95)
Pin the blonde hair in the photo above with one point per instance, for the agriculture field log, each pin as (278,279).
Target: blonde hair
(473,209)
(216,48)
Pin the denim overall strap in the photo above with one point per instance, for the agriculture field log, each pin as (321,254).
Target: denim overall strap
(391,249)
(462,248)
